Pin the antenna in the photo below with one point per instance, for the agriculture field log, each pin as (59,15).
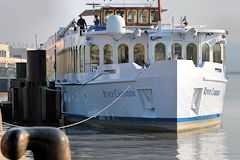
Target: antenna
(93,5)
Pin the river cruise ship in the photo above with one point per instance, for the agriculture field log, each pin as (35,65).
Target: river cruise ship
(134,72)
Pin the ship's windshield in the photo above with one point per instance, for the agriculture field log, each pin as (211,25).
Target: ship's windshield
(132,15)
(121,13)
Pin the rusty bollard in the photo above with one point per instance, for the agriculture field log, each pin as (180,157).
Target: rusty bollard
(46,143)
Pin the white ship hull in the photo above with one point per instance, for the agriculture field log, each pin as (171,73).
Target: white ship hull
(167,96)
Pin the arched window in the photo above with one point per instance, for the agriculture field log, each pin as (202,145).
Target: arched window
(217,53)
(176,50)
(82,59)
(224,54)
(192,53)
(160,52)
(139,54)
(205,52)
(123,53)
(94,54)
(75,59)
(108,54)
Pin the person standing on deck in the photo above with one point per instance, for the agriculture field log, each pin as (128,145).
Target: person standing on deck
(82,24)
(96,21)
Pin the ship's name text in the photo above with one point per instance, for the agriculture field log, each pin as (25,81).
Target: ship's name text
(117,93)
(211,92)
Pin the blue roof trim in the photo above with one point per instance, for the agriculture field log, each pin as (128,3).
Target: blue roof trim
(98,28)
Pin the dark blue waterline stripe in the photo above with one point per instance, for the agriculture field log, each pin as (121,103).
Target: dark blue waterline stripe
(199,118)
(179,120)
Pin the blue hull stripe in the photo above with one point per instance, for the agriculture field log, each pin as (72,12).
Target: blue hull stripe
(199,118)
(176,120)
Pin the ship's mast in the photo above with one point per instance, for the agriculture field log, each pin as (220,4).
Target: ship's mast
(160,12)
(94,5)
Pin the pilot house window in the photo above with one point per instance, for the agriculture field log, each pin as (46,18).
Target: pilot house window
(205,52)
(160,52)
(108,54)
(139,54)
(154,16)
(121,13)
(217,53)
(132,16)
(107,14)
(123,53)
(192,53)
(143,16)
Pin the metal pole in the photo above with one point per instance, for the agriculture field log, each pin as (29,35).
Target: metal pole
(55,57)
(36,36)
(159,9)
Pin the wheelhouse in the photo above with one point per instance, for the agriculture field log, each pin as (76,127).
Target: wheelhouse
(133,16)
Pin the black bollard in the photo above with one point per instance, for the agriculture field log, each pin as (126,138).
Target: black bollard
(46,143)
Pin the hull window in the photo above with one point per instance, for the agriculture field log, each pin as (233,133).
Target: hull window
(123,53)
(205,52)
(139,54)
(160,52)
(192,53)
(217,53)
(108,54)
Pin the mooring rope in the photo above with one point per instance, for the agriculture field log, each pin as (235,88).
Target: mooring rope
(72,83)
(82,121)
(52,90)
(93,116)
(11,125)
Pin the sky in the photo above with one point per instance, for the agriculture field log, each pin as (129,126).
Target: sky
(22,20)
